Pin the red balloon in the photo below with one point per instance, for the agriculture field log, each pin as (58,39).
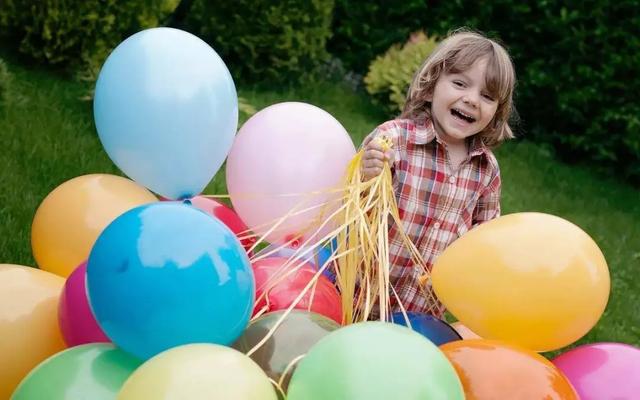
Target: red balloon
(324,299)
(226,215)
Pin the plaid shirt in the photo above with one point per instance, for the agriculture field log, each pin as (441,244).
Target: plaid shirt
(436,203)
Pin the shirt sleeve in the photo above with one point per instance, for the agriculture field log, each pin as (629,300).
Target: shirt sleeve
(488,206)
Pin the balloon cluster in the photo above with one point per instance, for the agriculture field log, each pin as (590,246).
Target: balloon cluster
(178,299)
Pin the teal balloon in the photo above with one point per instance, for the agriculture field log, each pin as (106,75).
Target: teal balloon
(166,111)
(375,361)
(166,274)
(94,371)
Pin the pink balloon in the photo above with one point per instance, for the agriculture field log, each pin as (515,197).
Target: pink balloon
(77,323)
(287,148)
(602,371)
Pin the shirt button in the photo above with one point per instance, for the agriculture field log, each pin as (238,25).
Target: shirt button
(436,225)
(452,179)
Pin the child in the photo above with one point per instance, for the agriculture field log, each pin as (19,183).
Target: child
(445,176)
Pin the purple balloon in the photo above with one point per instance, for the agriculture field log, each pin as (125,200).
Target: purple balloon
(77,323)
(602,371)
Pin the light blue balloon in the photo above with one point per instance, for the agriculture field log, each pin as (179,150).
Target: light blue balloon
(166,111)
(165,274)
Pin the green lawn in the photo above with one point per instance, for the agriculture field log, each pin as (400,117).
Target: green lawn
(48,137)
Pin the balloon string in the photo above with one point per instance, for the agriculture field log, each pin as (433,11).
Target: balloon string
(278,388)
(289,368)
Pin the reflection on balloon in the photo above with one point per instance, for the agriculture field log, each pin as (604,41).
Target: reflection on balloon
(492,370)
(69,220)
(28,325)
(434,329)
(296,334)
(602,370)
(77,323)
(199,372)
(168,274)
(281,286)
(529,278)
(166,111)
(91,371)
(286,159)
(374,361)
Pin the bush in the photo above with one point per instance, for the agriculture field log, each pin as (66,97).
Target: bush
(81,33)
(363,30)
(390,75)
(579,74)
(265,40)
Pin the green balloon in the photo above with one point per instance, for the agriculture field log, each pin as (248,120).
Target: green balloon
(375,361)
(94,371)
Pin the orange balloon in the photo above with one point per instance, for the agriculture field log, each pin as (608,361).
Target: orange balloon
(529,278)
(72,216)
(491,370)
(29,330)
(465,332)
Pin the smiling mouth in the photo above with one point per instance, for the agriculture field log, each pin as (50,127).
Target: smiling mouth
(465,117)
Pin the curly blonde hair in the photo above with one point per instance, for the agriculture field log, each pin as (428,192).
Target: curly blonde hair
(456,54)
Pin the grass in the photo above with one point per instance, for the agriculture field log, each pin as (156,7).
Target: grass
(48,137)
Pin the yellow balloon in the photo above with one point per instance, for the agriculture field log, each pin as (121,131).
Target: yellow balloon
(72,216)
(29,330)
(199,372)
(533,279)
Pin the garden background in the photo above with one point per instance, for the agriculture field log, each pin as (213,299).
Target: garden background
(577,154)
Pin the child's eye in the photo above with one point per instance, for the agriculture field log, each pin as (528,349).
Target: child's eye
(488,97)
(458,83)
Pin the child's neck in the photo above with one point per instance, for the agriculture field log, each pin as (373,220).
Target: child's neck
(457,150)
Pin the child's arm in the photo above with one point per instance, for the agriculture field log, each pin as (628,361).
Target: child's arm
(488,206)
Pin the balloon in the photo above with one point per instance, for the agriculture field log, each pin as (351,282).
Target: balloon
(434,329)
(532,279)
(282,289)
(71,217)
(602,371)
(199,372)
(464,332)
(77,323)
(374,361)
(166,111)
(227,216)
(168,274)
(316,257)
(492,370)
(280,156)
(94,371)
(297,333)
(28,326)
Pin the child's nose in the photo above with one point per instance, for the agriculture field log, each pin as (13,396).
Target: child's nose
(471,99)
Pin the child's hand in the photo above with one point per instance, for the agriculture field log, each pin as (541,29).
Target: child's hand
(376,153)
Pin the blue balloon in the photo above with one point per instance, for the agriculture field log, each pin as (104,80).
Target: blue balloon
(317,257)
(434,329)
(166,274)
(166,111)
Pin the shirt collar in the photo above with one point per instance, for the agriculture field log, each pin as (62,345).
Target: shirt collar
(425,133)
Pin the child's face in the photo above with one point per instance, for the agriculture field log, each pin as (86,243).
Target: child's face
(461,106)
